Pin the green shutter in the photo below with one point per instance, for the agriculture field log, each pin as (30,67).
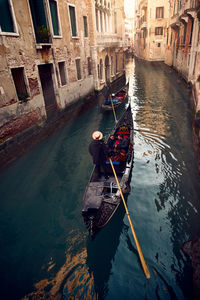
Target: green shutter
(73,20)
(85,26)
(54,16)
(6,21)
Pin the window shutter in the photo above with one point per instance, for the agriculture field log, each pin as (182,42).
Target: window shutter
(54,16)
(6,21)
(73,20)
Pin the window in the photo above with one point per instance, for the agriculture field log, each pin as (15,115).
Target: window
(159,12)
(19,81)
(78,68)
(123,62)
(85,26)
(158,30)
(97,22)
(191,31)
(73,20)
(62,71)
(167,36)
(101,70)
(116,63)
(115,21)
(171,39)
(184,34)
(89,66)
(112,65)
(54,16)
(7,18)
(39,21)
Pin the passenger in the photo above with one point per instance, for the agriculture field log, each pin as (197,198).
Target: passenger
(98,150)
(123,143)
(111,145)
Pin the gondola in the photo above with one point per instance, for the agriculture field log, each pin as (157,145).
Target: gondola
(115,101)
(102,196)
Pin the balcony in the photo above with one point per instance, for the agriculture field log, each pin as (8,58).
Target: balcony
(43,37)
(108,40)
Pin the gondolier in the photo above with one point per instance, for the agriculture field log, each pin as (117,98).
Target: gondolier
(97,149)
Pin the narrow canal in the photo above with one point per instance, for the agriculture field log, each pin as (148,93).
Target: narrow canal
(45,251)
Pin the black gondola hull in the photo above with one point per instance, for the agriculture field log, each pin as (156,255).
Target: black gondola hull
(102,197)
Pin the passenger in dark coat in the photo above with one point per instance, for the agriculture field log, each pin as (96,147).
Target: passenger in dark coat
(111,145)
(123,143)
(98,150)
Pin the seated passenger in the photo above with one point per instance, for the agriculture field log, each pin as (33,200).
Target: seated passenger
(123,143)
(111,145)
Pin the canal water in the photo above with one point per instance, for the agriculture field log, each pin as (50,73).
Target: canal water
(45,250)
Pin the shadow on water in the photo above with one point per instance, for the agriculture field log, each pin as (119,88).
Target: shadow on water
(101,252)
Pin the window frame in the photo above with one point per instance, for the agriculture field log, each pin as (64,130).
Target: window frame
(59,21)
(81,77)
(25,83)
(158,28)
(115,22)
(47,25)
(101,69)
(15,27)
(159,9)
(89,60)
(116,64)
(85,26)
(77,35)
(65,72)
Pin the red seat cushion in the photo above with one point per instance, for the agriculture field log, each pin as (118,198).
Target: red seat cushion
(123,132)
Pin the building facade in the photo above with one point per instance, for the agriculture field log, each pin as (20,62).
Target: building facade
(110,42)
(151,17)
(52,53)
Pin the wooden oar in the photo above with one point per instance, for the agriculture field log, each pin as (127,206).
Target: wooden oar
(113,111)
(144,265)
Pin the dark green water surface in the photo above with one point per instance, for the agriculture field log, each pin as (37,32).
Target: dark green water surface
(45,251)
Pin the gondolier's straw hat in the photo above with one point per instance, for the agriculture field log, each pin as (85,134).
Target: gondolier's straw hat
(97,135)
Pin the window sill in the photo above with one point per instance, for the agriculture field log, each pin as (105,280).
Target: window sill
(14,34)
(57,36)
(24,101)
(63,86)
(43,45)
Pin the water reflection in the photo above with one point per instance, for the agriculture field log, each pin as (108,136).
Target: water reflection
(85,273)
(72,281)
(163,127)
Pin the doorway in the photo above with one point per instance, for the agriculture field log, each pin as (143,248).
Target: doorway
(45,72)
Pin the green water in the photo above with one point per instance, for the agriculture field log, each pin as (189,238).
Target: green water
(45,251)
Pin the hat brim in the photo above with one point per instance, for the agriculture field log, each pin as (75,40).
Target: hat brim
(97,135)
